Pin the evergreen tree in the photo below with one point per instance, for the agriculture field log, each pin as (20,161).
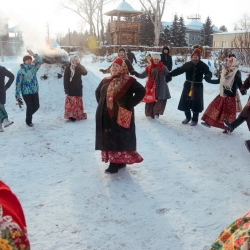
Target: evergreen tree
(165,36)
(146,34)
(206,32)
(223,28)
(174,31)
(181,35)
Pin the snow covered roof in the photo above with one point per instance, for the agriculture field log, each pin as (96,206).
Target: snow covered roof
(233,32)
(194,25)
(123,8)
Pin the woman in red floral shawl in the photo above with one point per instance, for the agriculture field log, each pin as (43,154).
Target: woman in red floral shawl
(13,232)
(117,143)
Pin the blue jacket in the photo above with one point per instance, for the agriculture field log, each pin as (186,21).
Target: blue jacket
(26,81)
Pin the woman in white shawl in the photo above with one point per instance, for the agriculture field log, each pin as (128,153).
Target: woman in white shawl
(74,109)
(224,105)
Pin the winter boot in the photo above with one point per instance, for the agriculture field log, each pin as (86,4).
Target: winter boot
(7,123)
(30,124)
(1,127)
(232,126)
(193,123)
(247,143)
(72,119)
(121,166)
(112,169)
(205,124)
(186,121)
(157,116)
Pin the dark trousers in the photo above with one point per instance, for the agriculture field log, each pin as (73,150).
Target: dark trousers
(32,103)
(195,116)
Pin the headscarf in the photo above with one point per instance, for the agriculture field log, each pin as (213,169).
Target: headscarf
(13,232)
(73,66)
(228,75)
(118,86)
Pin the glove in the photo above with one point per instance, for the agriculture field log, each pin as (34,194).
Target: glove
(243,92)
(168,78)
(136,74)
(102,70)
(20,102)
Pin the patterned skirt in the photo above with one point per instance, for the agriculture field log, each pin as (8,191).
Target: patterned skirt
(219,109)
(124,157)
(74,108)
(3,113)
(235,236)
(238,102)
(153,108)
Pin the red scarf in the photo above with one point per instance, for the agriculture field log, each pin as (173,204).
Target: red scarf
(151,80)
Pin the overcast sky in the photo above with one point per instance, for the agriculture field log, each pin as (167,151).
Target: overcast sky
(38,13)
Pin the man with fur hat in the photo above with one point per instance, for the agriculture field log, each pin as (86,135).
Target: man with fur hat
(27,85)
(123,56)
(192,94)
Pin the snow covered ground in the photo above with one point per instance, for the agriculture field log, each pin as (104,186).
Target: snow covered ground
(193,181)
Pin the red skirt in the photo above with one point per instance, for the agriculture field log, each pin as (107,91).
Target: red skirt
(219,109)
(74,108)
(124,157)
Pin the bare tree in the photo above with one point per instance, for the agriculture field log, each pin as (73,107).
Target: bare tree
(155,9)
(90,12)
(243,23)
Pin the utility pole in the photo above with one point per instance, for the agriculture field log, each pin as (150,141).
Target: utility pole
(69,36)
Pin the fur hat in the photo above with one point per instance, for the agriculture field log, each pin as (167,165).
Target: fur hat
(156,56)
(197,50)
(26,58)
(118,60)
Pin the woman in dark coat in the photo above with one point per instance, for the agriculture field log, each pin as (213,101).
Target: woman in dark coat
(192,93)
(4,121)
(118,144)
(157,91)
(74,109)
(224,105)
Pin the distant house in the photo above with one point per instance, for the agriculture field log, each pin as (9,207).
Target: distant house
(193,31)
(226,39)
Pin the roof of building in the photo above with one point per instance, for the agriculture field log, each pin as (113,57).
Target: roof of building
(194,25)
(123,8)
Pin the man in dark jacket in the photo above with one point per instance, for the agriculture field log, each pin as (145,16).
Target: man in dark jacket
(4,121)
(123,56)
(131,56)
(166,58)
(192,94)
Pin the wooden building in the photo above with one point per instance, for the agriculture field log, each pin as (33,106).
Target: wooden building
(124,25)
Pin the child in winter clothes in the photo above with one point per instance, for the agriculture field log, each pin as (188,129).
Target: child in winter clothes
(4,121)
(27,84)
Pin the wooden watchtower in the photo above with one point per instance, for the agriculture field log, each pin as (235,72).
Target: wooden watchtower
(124,25)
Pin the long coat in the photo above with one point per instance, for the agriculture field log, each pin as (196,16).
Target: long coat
(109,135)
(166,58)
(3,87)
(245,113)
(194,76)
(74,87)
(162,90)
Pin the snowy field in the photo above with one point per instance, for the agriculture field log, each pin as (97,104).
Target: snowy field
(193,181)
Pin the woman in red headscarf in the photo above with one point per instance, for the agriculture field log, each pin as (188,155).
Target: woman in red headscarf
(117,95)
(13,232)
